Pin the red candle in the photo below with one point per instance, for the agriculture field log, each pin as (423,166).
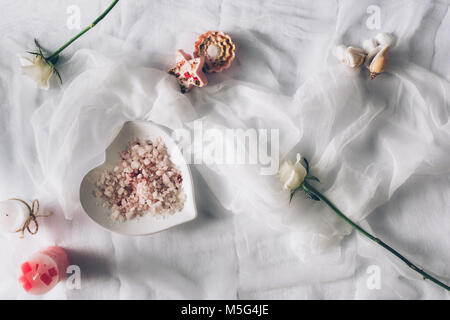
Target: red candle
(44,270)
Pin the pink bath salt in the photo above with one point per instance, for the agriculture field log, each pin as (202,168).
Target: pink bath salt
(144,181)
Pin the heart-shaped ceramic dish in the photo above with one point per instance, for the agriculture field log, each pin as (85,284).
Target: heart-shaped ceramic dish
(147,224)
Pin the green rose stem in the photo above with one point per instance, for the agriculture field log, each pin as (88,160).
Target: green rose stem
(308,188)
(57,52)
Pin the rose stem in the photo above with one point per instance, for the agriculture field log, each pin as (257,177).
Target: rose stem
(309,188)
(57,52)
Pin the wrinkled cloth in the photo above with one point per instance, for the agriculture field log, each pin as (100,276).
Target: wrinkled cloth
(380,147)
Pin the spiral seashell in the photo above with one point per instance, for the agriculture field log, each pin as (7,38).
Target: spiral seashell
(218,50)
(373,47)
(379,62)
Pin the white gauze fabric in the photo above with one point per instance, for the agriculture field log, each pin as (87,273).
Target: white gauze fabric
(379,147)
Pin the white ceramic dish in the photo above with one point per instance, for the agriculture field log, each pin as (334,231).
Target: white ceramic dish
(146,224)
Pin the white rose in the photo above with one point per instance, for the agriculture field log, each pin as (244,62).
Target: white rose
(38,70)
(291,174)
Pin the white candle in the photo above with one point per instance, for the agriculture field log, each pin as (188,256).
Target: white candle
(13,215)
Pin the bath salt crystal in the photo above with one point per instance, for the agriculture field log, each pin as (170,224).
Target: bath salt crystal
(144,181)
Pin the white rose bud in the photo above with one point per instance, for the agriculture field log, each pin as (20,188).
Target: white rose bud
(38,70)
(291,174)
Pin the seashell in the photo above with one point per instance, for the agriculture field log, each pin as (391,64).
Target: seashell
(218,50)
(339,52)
(379,62)
(371,55)
(189,71)
(369,45)
(352,57)
(384,39)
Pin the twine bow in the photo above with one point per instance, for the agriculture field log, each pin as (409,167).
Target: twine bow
(32,219)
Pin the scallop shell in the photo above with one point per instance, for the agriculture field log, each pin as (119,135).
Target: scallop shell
(218,50)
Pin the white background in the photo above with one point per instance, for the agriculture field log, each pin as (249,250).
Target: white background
(381,148)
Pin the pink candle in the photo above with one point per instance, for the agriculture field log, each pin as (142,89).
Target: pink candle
(44,270)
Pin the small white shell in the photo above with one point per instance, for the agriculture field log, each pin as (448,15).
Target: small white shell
(384,39)
(355,50)
(350,56)
(354,57)
(369,45)
(339,52)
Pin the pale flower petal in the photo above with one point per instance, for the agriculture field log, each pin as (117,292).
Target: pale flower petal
(38,70)
(291,174)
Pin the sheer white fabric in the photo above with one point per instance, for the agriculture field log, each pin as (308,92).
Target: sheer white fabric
(381,148)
